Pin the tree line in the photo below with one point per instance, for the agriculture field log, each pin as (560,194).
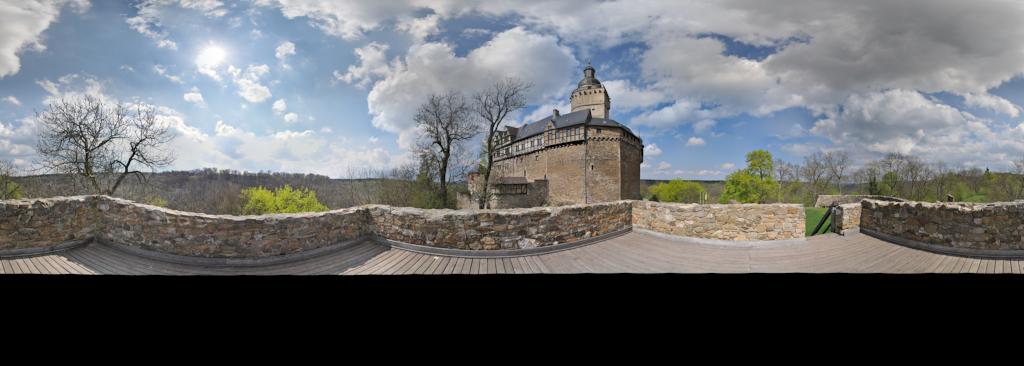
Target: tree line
(768,180)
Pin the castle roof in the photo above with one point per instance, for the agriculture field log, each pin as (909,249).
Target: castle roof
(581,117)
(588,77)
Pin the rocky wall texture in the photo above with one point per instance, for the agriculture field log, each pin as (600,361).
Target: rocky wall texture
(721,221)
(499,229)
(984,226)
(847,216)
(43,223)
(195,234)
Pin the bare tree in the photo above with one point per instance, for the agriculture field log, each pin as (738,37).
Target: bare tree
(445,121)
(1018,171)
(784,173)
(93,139)
(492,106)
(837,161)
(814,174)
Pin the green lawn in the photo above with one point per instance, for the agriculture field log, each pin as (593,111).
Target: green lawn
(814,215)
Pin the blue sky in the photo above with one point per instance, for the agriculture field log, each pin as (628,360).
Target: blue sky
(329,87)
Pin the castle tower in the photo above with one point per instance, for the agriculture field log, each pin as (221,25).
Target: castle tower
(590,94)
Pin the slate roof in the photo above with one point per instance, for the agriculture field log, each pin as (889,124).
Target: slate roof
(565,120)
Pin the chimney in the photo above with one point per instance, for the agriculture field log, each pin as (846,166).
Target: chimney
(555,113)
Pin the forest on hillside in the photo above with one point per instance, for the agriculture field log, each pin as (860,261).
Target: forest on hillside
(218,191)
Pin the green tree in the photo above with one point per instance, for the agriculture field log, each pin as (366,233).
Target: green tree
(9,190)
(260,201)
(755,183)
(759,164)
(745,187)
(890,183)
(677,190)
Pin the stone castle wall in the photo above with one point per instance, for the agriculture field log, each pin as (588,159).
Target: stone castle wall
(847,217)
(187,233)
(632,157)
(721,221)
(603,177)
(971,226)
(41,224)
(499,229)
(44,223)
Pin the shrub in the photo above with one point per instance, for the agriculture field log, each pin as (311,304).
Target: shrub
(260,201)
(677,190)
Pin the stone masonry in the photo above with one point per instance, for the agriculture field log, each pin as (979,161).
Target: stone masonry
(44,223)
(720,221)
(989,226)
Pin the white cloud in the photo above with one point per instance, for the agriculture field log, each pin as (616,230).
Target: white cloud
(908,122)
(162,71)
(695,141)
(704,125)
(992,102)
(728,166)
(284,50)
(434,68)
(372,63)
(475,32)
(681,112)
(291,118)
(652,150)
(420,28)
(826,54)
(351,19)
(305,151)
(249,87)
(194,96)
(279,106)
(664,166)
(21,26)
(629,97)
(13,101)
(148,20)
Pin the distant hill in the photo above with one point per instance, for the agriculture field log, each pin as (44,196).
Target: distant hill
(218,191)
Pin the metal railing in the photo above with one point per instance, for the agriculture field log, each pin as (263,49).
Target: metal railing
(828,214)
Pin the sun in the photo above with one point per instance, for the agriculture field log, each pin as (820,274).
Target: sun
(211,56)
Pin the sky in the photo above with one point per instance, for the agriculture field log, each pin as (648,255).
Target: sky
(331,87)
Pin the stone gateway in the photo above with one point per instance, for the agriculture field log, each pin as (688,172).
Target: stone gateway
(579,157)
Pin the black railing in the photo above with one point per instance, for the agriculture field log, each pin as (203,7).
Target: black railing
(828,214)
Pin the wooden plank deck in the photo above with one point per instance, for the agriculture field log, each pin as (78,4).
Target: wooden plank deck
(630,253)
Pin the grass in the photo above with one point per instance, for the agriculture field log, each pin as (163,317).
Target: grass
(814,215)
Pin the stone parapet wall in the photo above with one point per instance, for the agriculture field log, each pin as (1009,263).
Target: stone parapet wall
(825,200)
(847,217)
(43,223)
(991,226)
(499,229)
(194,234)
(721,221)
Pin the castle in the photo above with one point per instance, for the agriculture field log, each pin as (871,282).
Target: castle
(573,158)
